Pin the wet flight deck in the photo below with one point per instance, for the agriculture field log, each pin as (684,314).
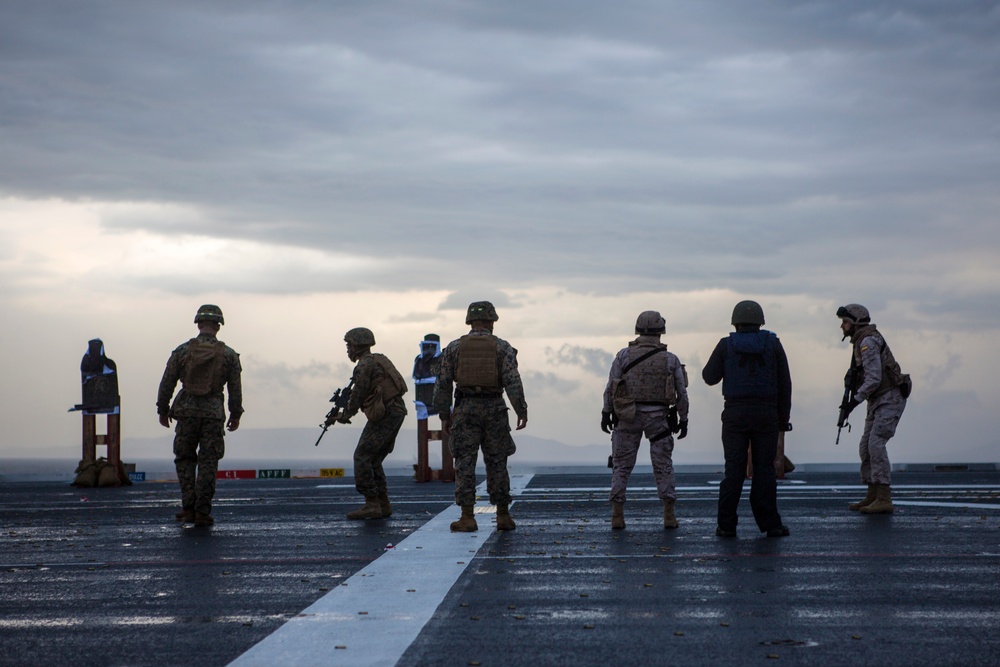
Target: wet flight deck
(107,577)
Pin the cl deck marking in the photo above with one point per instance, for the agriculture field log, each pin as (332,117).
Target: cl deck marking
(374,616)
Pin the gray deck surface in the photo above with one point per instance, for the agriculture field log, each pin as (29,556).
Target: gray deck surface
(107,577)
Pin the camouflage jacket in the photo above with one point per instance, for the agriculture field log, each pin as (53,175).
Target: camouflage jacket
(211,405)
(874,358)
(368,374)
(510,378)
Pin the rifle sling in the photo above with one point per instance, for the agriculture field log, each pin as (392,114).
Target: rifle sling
(641,359)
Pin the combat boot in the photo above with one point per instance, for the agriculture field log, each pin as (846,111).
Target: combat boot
(617,515)
(504,522)
(467,524)
(883,501)
(185,516)
(669,520)
(383,501)
(203,519)
(371,510)
(867,500)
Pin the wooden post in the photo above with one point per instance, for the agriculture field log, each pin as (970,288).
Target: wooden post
(423,472)
(89,437)
(111,440)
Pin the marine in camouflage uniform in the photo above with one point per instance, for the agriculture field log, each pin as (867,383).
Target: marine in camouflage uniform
(652,387)
(479,367)
(378,392)
(199,409)
(877,380)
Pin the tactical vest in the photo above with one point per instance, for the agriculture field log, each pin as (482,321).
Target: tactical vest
(392,383)
(651,380)
(750,371)
(477,363)
(892,374)
(203,367)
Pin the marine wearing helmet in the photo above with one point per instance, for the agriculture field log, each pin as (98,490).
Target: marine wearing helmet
(481,311)
(650,323)
(209,313)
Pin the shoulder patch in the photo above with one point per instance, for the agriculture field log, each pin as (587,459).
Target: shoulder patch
(864,347)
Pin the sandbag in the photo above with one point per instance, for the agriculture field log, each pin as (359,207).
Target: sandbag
(86,474)
(108,476)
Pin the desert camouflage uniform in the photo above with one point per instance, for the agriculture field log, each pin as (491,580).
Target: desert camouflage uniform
(199,435)
(378,439)
(650,420)
(481,422)
(884,408)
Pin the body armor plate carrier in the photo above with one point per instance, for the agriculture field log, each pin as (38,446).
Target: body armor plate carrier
(750,366)
(203,367)
(477,364)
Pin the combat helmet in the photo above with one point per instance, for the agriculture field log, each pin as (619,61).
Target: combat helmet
(481,310)
(360,336)
(209,313)
(748,312)
(650,323)
(855,313)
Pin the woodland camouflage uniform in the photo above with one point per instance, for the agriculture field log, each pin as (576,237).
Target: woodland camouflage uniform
(479,420)
(199,434)
(378,438)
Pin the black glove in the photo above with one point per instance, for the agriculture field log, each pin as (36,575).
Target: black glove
(845,411)
(607,422)
(672,423)
(682,429)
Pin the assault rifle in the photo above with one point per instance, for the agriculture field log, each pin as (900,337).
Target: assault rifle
(340,399)
(845,404)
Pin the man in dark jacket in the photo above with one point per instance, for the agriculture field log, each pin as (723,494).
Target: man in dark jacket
(757,388)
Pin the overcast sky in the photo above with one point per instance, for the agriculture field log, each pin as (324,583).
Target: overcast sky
(312,167)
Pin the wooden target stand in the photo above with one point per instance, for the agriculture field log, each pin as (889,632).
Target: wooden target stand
(422,470)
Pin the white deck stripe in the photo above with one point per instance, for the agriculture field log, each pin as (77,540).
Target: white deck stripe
(930,503)
(373,617)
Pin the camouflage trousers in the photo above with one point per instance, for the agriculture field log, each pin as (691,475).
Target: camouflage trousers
(377,441)
(880,426)
(481,423)
(625,441)
(199,444)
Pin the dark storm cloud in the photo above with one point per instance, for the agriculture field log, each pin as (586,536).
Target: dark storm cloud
(782,146)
